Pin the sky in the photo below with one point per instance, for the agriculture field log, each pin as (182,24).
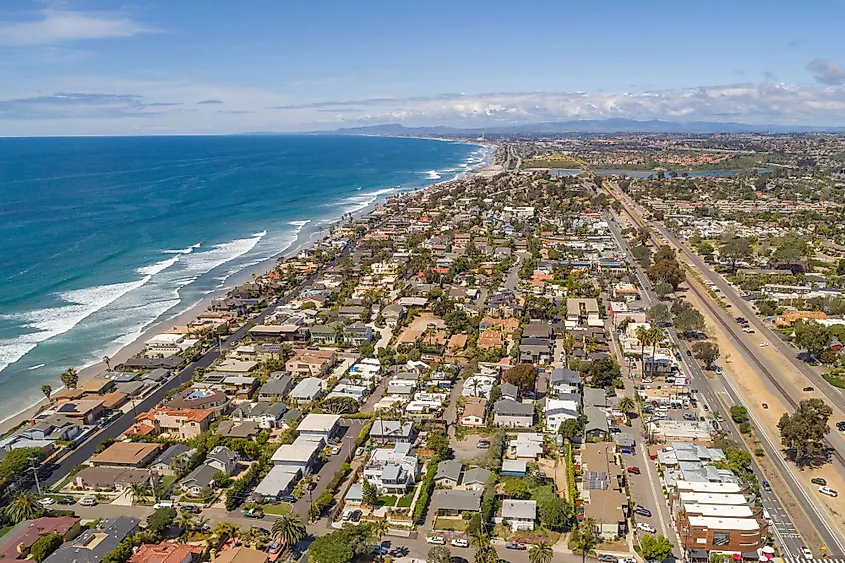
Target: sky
(104,67)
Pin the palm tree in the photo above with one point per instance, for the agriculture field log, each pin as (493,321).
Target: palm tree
(107,361)
(627,405)
(226,530)
(184,520)
(47,390)
(486,554)
(70,379)
(584,539)
(643,336)
(256,538)
(540,552)
(25,506)
(289,528)
(140,492)
(379,530)
(656,335)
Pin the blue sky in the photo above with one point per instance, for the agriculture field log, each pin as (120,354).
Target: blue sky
(189,66)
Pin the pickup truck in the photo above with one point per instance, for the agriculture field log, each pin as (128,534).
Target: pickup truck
(253,513)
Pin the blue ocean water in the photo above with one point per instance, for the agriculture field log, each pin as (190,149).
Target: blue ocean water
(101,238)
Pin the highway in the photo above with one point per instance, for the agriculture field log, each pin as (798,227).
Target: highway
(789,541)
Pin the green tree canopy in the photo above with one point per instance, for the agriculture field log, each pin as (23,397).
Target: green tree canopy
(707,352)
(802,431)
(658,548)
(523,376)
(45,545)
(689,321)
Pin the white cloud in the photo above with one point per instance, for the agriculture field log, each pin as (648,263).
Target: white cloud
(58,26)
(827,71)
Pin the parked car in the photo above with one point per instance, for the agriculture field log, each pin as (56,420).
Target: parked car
(335,450)
(634,469)
(88,501)
(643,527)
(607,558)
(515,545)
(346,516)
(459,542)
(253,513)
(47,501)
(642,511)
(163,504)
(190,508)
(437,540)
(840,425)
(359,451)
(805,551)
(67,500)
(766,486)
(275,547)
(828,491)
(355,515)
(260,530)
(808,389)
(482,444)
(689,416)
(818,481)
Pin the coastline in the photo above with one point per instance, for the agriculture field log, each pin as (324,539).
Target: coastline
(192,312)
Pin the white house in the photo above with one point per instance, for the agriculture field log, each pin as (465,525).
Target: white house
(392,470)
(520,514)
(318,426)
(558,410)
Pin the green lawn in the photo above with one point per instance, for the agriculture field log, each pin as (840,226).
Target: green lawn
(835,379)
(386,500)
(405,501)
(277,509)
(450,524)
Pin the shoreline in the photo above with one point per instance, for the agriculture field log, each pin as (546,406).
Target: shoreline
(192,312)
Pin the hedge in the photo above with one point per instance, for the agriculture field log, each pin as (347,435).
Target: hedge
(364,434)
(570,472)
(425,493)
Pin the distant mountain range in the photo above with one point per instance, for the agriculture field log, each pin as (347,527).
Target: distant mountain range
(583,126)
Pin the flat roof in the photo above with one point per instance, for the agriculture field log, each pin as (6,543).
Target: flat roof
(709,487)
(300,451)
(717,510)
(125,453)
(710,498)
(744,524)
(318,423)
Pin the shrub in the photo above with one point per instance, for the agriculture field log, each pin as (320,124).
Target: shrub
(425,493)
(44,546)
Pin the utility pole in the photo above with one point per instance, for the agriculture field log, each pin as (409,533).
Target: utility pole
(35,473)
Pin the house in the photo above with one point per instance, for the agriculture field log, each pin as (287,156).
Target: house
(17,542)
(96,542)
(276,388)
(392,470)
(536,351)
(392,314)
(626,292)
(202,477)
(238,429)
(319,426)
(597,426)
(299,456)
(451,502)
(490,339)
(558,410)
(514,467)
(509,391)
(199,398)
(307,391)
(179,423)
(511,414)
(242,554)
(581,312)
(328,334)
(358,333)
(278,483)
(526,445)
(520,514)
(310,363)
(448,474)
(174,457)
(392,431)
(223,459)
(475,479)
(111,478)
(352,312)
(264,414)
(166,553)
(126,454)
(475,412)
(565,381)
(84,411)
(608,509)
(355,495)
(279,333)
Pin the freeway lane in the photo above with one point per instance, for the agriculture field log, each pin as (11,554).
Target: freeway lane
(791,545)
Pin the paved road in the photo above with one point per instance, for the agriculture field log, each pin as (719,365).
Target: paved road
(791,545)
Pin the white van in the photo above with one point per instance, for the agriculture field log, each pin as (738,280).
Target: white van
(766,516)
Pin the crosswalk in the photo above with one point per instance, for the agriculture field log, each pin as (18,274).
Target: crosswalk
(818,560)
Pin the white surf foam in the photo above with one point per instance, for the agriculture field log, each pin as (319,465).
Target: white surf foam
(432,175)
(35,367)
(153,269)
(182,250)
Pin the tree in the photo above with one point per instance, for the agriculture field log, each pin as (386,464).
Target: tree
(666,270)
(45,545)
(739,414)
(659,314)
(331,548)
(517,489)
(569,428)
(139,492)
(540,552)
(107,361)
(370,493)
(289,529)
(584,539)
(665,252)
(339,405)
(555,513)
(486,553)
(524,376)
(626,404)
(70,379)
(221,480)
(707,352)
(379,529)
(811,336)
(802,431)
(47,390)
(656,336)
(655,548)
(705,249)
(643,336)
(25,506)
(735,250)
(160,520)
(439,443)
(602,373)
(689,321)
(663,289)
(439,554)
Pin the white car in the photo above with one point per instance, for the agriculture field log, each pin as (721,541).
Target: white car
(438,540)
(163,504)
(764,344)
(805,551)
(47,501)
(88,501)
(643,527)
(459,542)
(828,491)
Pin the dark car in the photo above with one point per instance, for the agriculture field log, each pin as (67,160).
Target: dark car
(312,485)
(67,500)
(840,425)
(689,353)
(642,511)
(190,508)
(808,388)
(355,515)
(766,486)
(818,481)
(259,529)
(456,559)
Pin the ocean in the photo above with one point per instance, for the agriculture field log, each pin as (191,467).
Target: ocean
(100,238)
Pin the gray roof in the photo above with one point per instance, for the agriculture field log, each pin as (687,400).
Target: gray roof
(83,550)
(391,429)
(391,472)
(275,410)
(355,493)
(476,475)
(449,469)
(560,375)
(509,390)
(170,454)
(519,509)
(307,388)
(223,454)
(201,477)
(512,408)
(277,386)
(449,499)
(596,420)
(594,397)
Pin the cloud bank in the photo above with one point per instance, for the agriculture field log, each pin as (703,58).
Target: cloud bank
(58,26)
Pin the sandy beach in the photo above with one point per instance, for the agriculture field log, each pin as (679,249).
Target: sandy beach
(137,346)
